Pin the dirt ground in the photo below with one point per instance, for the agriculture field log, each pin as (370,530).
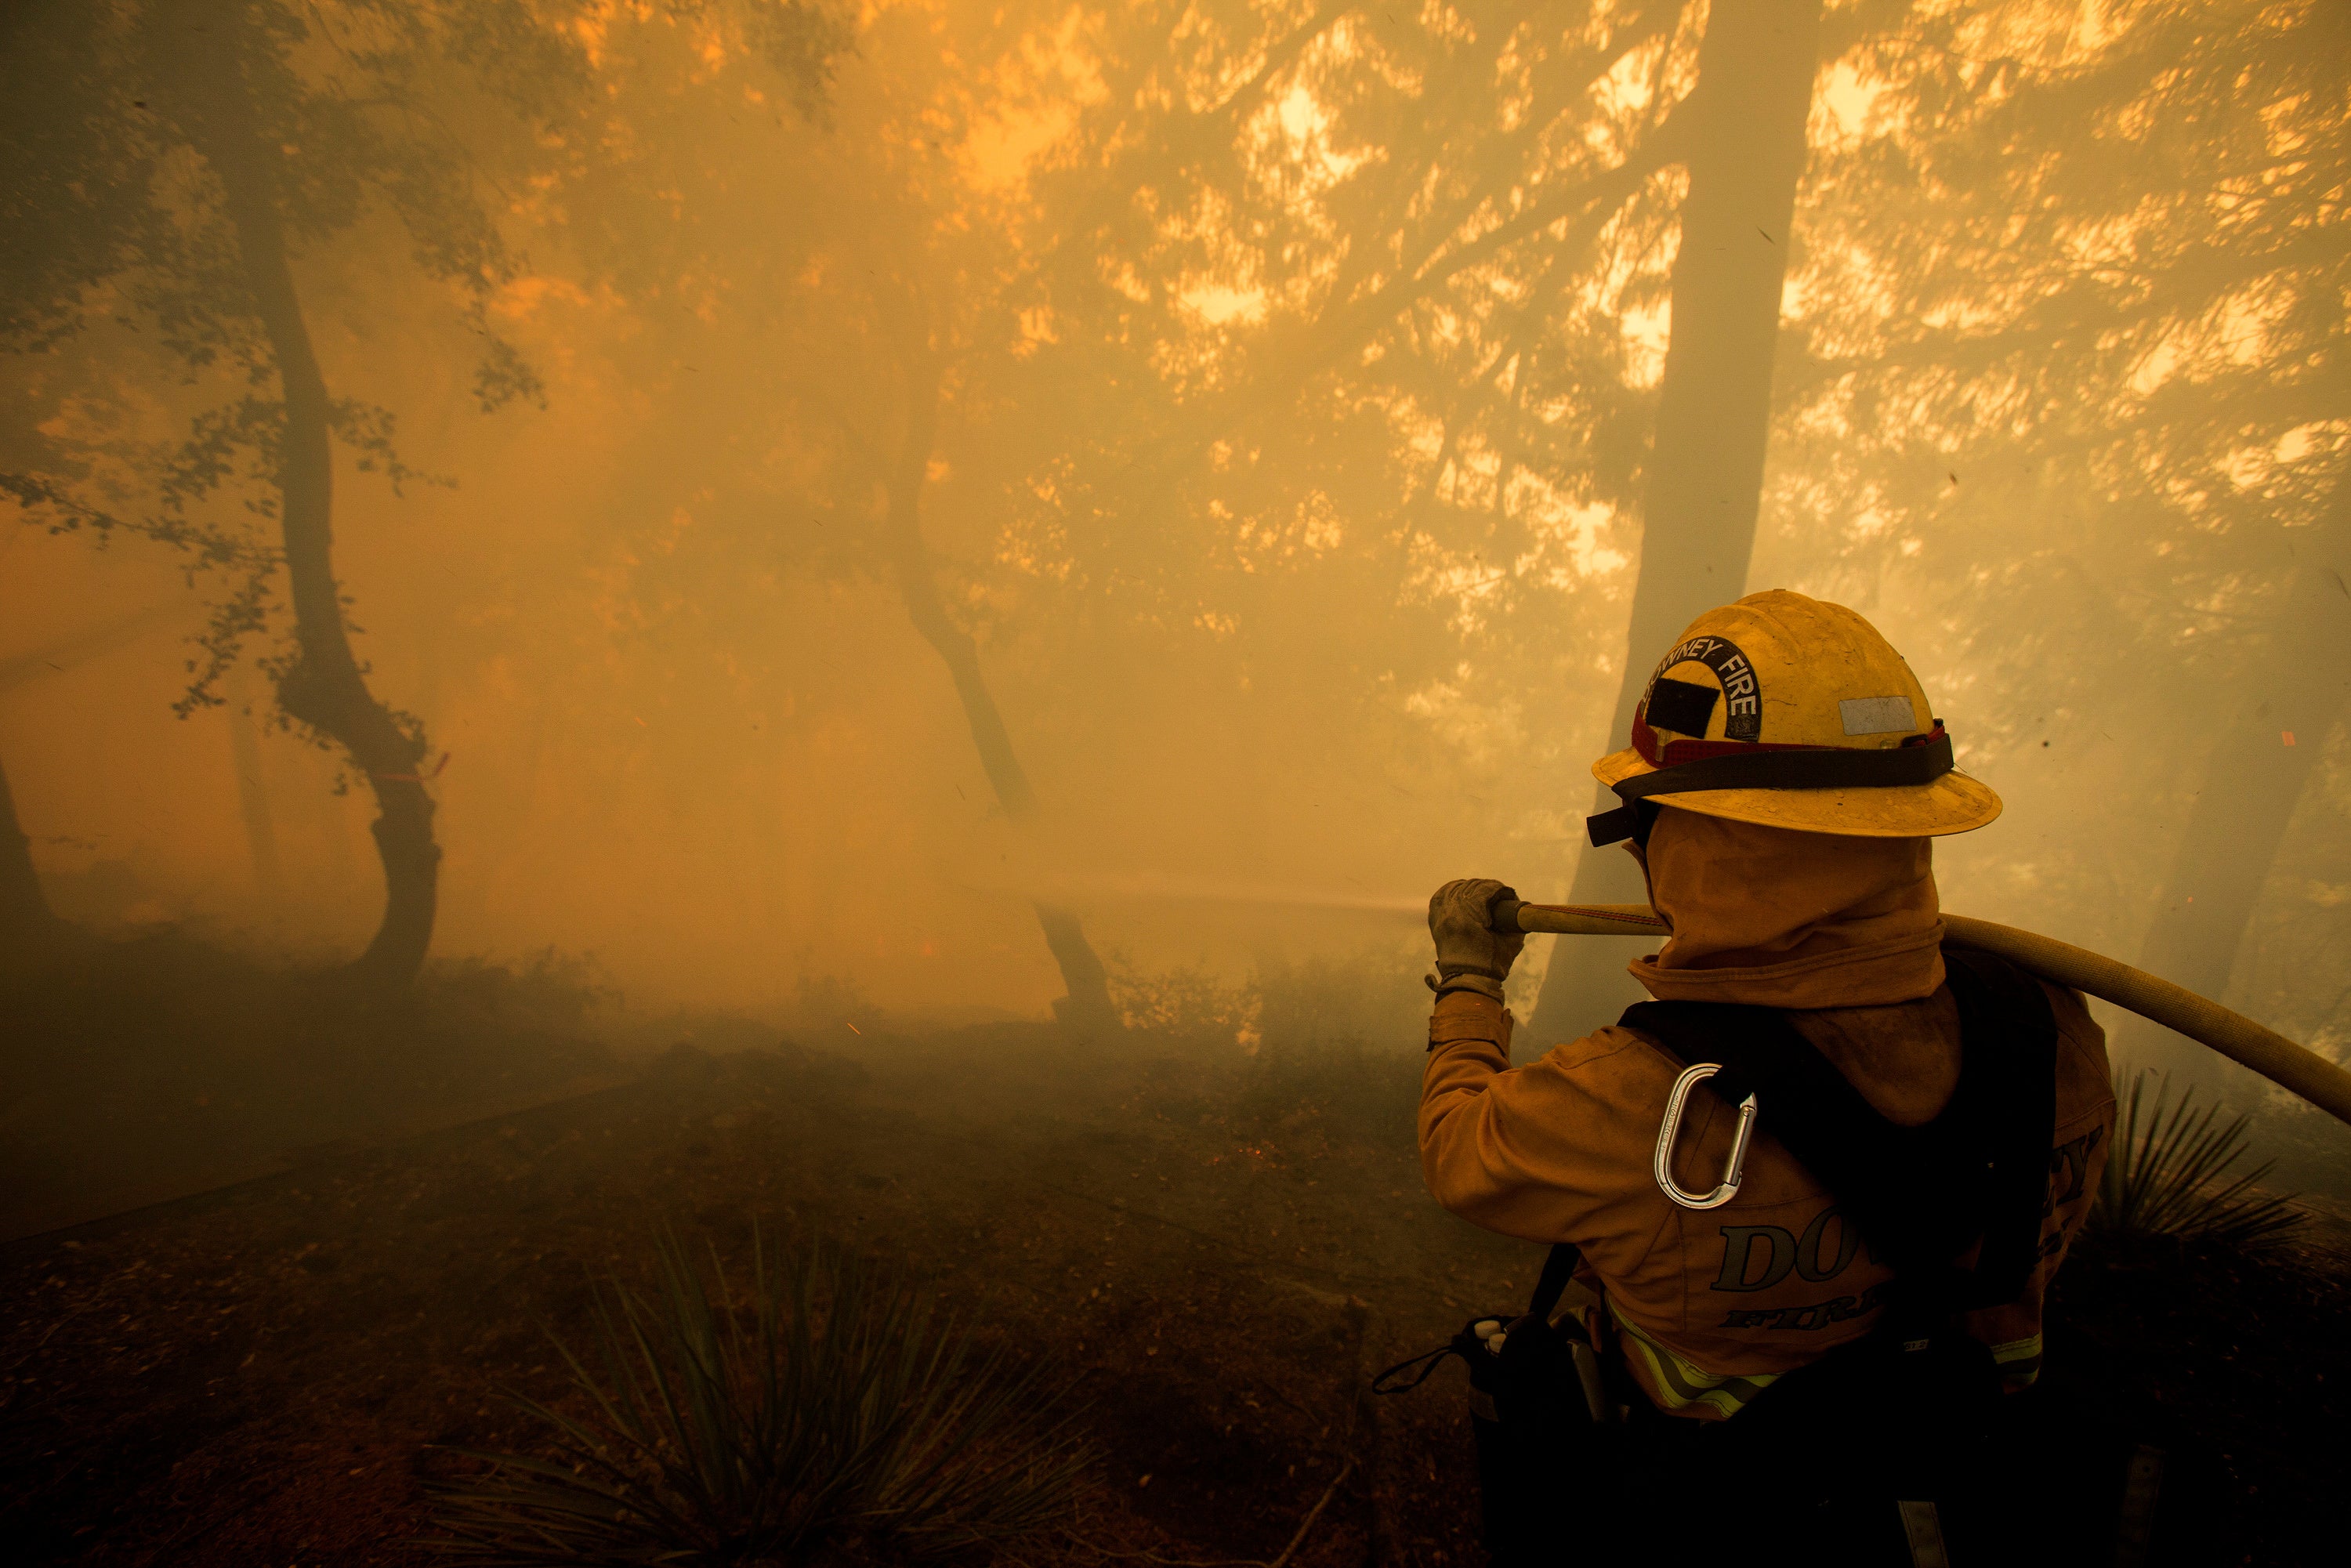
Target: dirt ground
(139,1068)
(1214,1254)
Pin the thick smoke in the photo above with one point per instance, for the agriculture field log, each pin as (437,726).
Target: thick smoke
(1238,421)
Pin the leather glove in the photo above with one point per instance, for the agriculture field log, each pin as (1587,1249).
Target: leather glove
(1471,956)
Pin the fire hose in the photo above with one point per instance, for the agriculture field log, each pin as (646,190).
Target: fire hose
(2290,1066)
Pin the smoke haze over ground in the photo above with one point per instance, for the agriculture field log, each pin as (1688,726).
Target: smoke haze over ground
(1272,588)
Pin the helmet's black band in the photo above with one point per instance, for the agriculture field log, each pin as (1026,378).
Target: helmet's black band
(1835,768)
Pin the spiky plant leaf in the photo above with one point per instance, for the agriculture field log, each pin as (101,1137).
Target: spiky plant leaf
(2168,1176)
(838,1415)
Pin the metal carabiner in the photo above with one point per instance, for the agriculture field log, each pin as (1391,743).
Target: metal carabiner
(1671,1128)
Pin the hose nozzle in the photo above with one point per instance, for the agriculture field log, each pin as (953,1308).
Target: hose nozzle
(1578,919)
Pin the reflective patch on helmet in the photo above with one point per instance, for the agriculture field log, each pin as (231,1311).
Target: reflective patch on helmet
(1743,706)
(1877,716)
(1681,706)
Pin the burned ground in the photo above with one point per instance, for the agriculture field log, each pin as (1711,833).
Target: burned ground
(1212,1251)
(266,1372)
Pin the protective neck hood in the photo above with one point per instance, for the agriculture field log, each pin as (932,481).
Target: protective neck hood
(1779,918)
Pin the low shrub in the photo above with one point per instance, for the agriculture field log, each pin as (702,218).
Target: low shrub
(1333,1043)
(2168,1176)
(546,989)
(837,1416)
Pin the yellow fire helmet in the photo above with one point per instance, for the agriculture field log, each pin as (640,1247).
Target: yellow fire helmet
(1792,712)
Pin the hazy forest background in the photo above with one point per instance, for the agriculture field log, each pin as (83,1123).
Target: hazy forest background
(949,511)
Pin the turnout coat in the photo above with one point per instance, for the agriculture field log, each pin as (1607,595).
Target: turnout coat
(1844,935)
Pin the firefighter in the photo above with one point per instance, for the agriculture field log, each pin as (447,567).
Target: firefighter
(1766,1319)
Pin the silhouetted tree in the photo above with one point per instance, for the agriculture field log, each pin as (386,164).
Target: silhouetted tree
(1301,351)
(72,211)
(1276,265)
(911,251)
(1346,291)
(301,121)
(2075,376)
(1087,1004)
(1704,472)
(253,797)
(1313,398)
(771,273)
(30,927)
(27,921)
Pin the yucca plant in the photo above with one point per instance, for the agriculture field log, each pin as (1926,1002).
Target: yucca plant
(838,1415)
(2167,1177)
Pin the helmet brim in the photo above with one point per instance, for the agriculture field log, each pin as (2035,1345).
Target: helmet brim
(1953,803)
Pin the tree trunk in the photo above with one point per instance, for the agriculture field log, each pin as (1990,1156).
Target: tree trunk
(325,687)
(252,797)
(2253,780)
(28,925)
(1087,1007)
(1704,475)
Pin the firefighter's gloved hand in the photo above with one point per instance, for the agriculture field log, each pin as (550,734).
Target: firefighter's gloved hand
(1471,956)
